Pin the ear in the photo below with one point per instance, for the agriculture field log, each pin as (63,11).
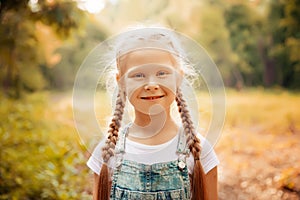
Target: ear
(120,82)
(118,77)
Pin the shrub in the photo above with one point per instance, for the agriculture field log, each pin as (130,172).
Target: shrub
(39,157)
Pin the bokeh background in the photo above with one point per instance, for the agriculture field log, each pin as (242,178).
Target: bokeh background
(255,44)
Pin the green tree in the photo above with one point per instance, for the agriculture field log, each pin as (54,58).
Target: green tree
(244,25)
(21,57)
(284,32)
(214,36)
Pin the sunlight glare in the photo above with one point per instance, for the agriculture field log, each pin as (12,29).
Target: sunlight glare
(92,6)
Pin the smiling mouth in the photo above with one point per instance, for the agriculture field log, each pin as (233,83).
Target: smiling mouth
(153,97)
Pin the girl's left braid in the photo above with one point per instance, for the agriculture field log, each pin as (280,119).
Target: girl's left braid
(192,140)
(198,177)
(108,149)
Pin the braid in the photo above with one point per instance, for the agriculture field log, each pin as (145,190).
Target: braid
(108,149)
(113,132)
(193,142)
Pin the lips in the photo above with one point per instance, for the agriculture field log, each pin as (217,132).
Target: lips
(152,97)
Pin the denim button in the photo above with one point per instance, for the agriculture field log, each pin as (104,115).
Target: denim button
(181,164)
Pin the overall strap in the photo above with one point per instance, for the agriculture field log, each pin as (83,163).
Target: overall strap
(182,147)
(120,146)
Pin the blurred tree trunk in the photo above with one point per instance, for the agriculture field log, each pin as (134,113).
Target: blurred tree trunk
(11,82)
(239,79)
(269,72)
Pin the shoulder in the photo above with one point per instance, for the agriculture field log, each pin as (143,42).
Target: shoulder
(95,160)
(208,157)
(206,147)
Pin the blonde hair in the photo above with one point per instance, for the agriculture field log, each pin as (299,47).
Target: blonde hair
(158,38)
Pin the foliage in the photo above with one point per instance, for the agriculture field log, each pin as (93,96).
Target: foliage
(284,43)
(217,43)
(62,75)
(266,42)
(243,24)
(39,157)
(20,48)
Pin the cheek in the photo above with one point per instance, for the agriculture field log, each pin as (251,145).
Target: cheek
(129,86)
(169,83)
(133,94)
(132,87)
(171,95)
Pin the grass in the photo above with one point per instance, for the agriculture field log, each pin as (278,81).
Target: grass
(272,111)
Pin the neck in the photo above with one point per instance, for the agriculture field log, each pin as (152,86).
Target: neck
(157,119)
(153,129)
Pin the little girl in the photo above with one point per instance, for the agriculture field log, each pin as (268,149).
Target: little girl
(153,157)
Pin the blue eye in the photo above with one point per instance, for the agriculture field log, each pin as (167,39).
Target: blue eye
(139,75)
(161,73)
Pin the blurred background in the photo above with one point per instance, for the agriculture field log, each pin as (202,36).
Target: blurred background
(255,44)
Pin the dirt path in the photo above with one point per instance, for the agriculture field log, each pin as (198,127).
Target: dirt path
(256,165)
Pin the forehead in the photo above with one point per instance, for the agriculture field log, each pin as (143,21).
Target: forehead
(146,56)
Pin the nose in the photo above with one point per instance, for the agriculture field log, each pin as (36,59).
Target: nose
(151,87)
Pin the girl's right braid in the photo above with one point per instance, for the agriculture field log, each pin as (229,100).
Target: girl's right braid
(103,182)
(108,149)
(193,142)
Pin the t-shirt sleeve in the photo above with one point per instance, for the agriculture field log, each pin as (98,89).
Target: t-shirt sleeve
(95,161)
(208,157)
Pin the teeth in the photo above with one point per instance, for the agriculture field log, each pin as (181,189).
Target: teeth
(152,98)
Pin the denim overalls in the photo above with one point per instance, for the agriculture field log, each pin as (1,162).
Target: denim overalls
(132,180)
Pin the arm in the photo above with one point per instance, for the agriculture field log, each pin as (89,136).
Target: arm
(96,186)
(212,184)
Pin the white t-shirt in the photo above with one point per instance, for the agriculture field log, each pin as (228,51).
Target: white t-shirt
(151,154)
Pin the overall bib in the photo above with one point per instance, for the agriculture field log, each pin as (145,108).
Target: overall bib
(136,181)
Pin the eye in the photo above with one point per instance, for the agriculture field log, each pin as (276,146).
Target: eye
(138,75)
(161,73)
